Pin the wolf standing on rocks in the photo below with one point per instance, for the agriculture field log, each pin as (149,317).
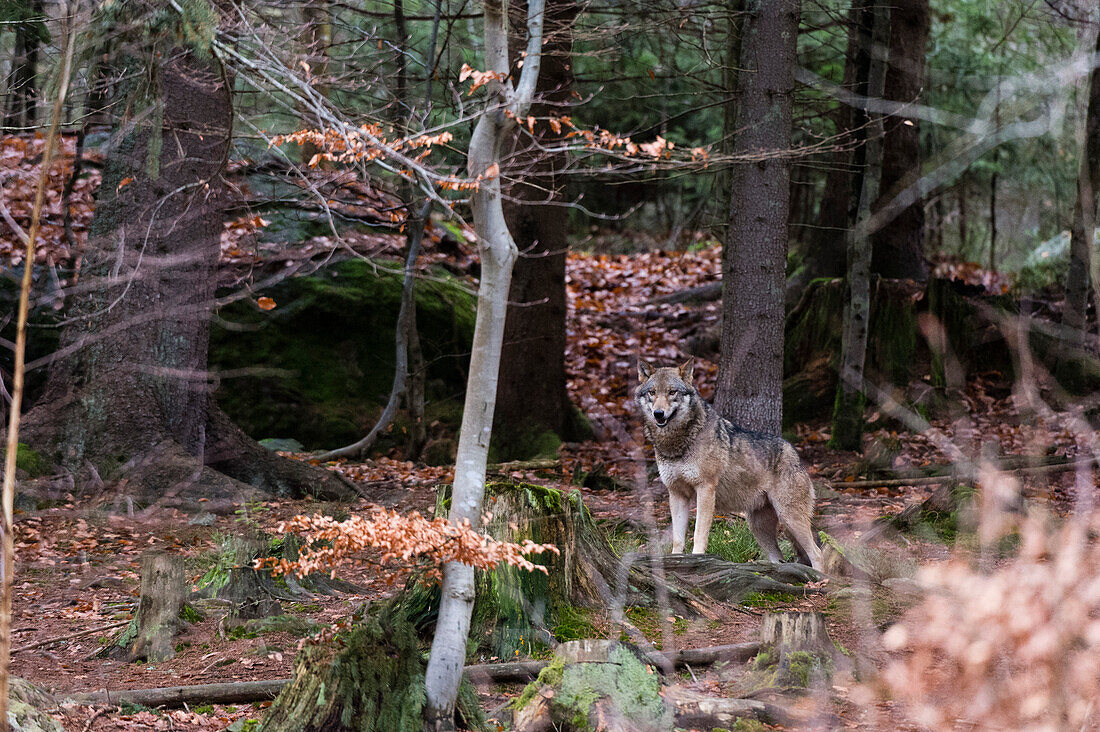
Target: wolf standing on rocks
(703,456)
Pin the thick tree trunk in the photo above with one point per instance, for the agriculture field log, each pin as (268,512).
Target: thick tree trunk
(847,432)
(22,89)
(899,244)
(755,252)
(1084,217)
(531,395)
(827,252)
(498,253)
(129,392)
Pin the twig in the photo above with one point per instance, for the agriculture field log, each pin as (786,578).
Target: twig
(95,715)
(7,551)
(70,636)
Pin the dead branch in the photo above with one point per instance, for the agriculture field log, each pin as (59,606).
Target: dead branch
(244,692)
(69,636)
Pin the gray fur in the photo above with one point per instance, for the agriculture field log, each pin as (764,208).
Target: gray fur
(703,457)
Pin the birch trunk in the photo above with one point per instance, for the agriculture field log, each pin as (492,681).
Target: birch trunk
(498,253)
(848,408)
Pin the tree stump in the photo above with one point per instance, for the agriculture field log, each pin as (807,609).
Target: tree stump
(163,596)
(594,684)
(514,610)
(375,683)
(796,651)
(252,592)
(26,708)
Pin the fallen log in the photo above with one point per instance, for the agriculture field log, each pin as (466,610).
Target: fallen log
(239,692)
(244,692)
(1051,467)
(709,291)
(712,712)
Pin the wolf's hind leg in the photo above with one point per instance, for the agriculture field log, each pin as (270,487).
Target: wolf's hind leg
(764,524)
(797,521)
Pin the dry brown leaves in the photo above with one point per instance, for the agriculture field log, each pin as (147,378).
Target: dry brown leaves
(402,540)
(1015,648)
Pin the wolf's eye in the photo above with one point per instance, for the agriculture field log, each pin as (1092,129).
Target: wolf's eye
(672,392)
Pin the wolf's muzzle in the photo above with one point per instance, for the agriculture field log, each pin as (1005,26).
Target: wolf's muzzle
(661,417)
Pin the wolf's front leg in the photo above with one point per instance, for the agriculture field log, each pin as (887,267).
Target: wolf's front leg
(704,515)
(680,507)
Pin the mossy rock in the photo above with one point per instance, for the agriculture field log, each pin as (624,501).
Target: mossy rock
(33,463)
(26,705)
(327,350)
(575,696)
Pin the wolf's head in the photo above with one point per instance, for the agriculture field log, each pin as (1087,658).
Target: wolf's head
(665,394)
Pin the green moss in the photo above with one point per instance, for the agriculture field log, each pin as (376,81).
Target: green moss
(574,623)
(634,690)
(768,600)
(549,676)
(523,444)
(30,461)
(330,344)
(749,725)
(189,614)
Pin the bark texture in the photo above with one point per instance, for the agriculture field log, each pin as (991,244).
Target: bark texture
(899,244)
(531,395)
(163,594)
(22,92)
(827,251)
(1079,276)
(129,392)
(755,253)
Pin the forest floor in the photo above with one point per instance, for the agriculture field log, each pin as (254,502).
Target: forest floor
(78,561)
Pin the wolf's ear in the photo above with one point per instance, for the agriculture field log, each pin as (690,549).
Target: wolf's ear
(645,369)
(686,369)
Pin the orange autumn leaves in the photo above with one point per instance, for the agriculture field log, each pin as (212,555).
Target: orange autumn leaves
(402,540)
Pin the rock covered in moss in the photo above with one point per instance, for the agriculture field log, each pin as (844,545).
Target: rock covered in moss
(615,692)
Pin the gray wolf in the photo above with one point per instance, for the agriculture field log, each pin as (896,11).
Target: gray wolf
(702,456)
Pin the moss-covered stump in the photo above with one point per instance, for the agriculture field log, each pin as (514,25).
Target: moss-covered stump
(795,653)
(593,685)
(26,708)
(252,593)
(516,612)
(324,356)
(373,683)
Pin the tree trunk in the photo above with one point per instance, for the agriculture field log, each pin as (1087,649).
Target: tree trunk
(531,395)
(847,431)
(498,253)
(22,88)
(964,222)
(163,594)
(129,393)
(755,252)
(1084,217)
(899,245)
(826,255)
